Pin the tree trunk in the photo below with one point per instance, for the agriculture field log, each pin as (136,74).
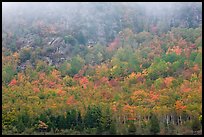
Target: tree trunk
(173,120)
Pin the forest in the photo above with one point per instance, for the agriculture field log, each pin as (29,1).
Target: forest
(101,68)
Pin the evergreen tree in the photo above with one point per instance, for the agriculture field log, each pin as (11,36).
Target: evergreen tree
(79,122)
(131,128)
(154,124)
(20,126)
(196,125)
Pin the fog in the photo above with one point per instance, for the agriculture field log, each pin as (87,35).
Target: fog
(104,19)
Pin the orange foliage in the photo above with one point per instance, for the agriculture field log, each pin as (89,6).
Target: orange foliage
(42,75)
(114,108)
(196,68)
(55,74)
(132,75)
(128,108)
(13,82)
(185,87)
(71,100)
(60,92)
(177,50)
(179,105)
(168,81)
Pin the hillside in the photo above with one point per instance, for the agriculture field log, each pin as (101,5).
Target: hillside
(102,68)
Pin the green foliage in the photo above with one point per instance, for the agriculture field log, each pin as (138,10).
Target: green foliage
(158,68)
(69,81)
(64,68)
(71,118)
(196,125)
(12,46)
(61,122)
(81,38)
(129,40)
(20,126)
(132,128)
(189,35)
(25,55)
(170,57)
(143,36)
(76,64)
(43,67)
(154,124)
(158,83)
(8,72)
(93,117)
(70,40)
(198,59)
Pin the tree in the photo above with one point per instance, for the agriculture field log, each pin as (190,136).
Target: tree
(154,124)
(76,64)
(92,117)
(61,122)
(158,68)
(70,40)
(71,118)
(196,125)
(131,128)
(80,123)
(20,126)
(25,54)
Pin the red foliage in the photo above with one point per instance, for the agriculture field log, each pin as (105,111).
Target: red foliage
(193,46)
(187,73)
(51,84)
(104,80)
(132,118)
(97,83)
(77,77)
(153,96)
(35,82)
(13,82)
(83,80)
(187,52)
(36,90)
(113,83)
